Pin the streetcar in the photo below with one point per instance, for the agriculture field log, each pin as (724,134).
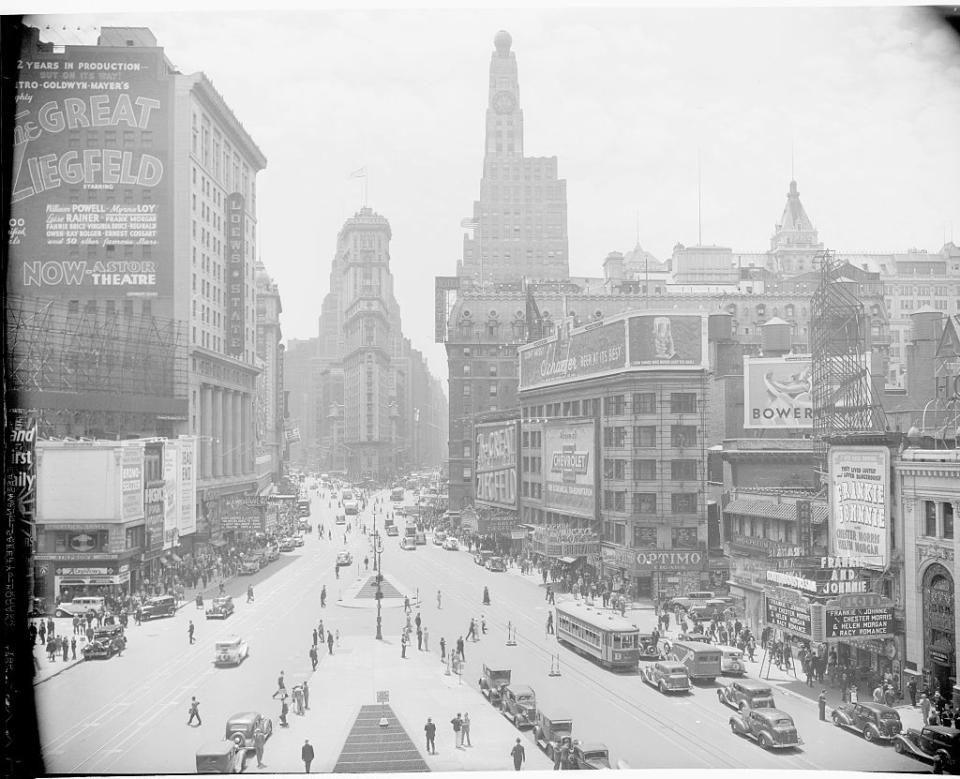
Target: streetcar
(396,494)
(605,636)
(349,502)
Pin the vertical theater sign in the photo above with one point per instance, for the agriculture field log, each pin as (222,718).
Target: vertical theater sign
(860,503)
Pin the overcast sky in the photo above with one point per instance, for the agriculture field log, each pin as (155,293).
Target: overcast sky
(866,101)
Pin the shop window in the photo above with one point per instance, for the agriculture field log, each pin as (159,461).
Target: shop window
(930,518)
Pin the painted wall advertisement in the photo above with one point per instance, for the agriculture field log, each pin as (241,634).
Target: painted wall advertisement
(860,503)
(496,465)
(188,485)
(668,341)
(236,275)
(570,465)
(778,393)
(592,351)
(91,203)
(171,495)
(131,481)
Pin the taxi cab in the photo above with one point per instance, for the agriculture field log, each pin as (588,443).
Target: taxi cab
(231,651)
(731,661)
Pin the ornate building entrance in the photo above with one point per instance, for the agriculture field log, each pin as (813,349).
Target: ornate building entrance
(939,628)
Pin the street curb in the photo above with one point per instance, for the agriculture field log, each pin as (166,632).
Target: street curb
(70,664)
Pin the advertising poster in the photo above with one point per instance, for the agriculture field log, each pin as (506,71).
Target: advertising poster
(91,199)
(668,341)
(570,465)
(153,508)
(242,512)
(860,503)
(496,464)
(791,617)
(131,481)
(20,487)
(592,351)
(188,486)
(171,495)
(236,296)
(778,393)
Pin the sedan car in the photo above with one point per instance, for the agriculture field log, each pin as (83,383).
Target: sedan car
(667,676)
(287,545)
(586,756)
(231,651)
(241,727)
(221,757)
(220,608)
(770,728)
(344,558)
(249,566)
(496,565)
(451,544)
(874,721)
(102,649)
(297,540)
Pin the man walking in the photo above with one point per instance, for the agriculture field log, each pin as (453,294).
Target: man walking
(403,645)
(259,739)
(457,723)
(281,687)
(306,695)
(306,754)
(465,730)
(190,630)
(550,623)
(323,597)
(822,705)
(73,649)
(518,754)
(194,711)
(330,642)
(426,639)
(431,731)
(314,636)
(460,649)
(419,639)
(313,655)
(443,649)
(438,599)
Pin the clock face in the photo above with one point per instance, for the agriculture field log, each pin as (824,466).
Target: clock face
(504,103)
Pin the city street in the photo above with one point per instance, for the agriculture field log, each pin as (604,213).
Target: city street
(129,713)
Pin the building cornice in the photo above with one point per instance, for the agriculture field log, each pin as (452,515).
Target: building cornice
(214,100)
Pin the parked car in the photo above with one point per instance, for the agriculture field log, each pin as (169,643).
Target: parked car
(589,756)
(480,558)
(731,661)
(102,649)
(287,545)
(747,693)
(496,565)
(439,537)
(297,540)
(770,728)
(667,676)
(240,728)
(271,553)
(551,733)
(231,651)
(220,608)
(451,544)
(110,633)
(161,606)
(344,558)
(518,702)
(714,607)
(492,683)
(79,606)
(931,743)
(221,757)
(249,566)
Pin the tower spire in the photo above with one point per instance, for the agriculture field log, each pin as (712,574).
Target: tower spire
(699,204)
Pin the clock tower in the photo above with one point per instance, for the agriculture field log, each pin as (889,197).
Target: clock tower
(504,117)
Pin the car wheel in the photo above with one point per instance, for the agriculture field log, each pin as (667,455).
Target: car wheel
(239,740)
(734,729)
(59,613)
(764,741)
(661,688)
(869,735)
(898,747)
(836,720)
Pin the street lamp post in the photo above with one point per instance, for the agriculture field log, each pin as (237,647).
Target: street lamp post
(377,552)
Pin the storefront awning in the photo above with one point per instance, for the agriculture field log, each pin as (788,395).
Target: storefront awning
(568,560)
(769,509)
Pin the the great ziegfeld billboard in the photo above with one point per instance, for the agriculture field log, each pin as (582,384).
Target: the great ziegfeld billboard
(777,392)
(639,341)
(496,464)
(860,503)
(570,468)
(91,180)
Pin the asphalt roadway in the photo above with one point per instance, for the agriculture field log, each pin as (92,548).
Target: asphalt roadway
(128,714)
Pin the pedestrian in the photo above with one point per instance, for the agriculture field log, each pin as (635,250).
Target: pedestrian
(250,593)
(281,687)
(438,599)
(403,645)
(925,706)
(460,649)
(43,633)
(194,711)
(320,630)
(550,623)
(313,656)
(912,691)
(323,597)
(562,755)
(314,636)
(305,691)
(457,723)
(336,634)
(417,621)
(443,649)
(426,639)
(472,630)
(190,630)
(297,700)
(430,729)
(419,639)
(284,709)
(259,739)
(518,755)
(66,648)
(73,646)
(306,754)
(465,730)
(822,705)
(486,596)
(330,642)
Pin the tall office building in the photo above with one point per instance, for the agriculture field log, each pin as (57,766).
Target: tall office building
(520,222)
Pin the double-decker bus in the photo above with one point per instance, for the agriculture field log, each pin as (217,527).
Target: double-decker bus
(605,636)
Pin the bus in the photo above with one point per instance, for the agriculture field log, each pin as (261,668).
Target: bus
(350,504)
(396,494)
(701,660)
(608,638)
(303,507)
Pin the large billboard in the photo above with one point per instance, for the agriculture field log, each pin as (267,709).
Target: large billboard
(171,495)
(188,485)
(92,199)
(236,297)
(570,468)
(860,504)
(778,393)
(131,481)
(668,341)
(596,350)
(496,464)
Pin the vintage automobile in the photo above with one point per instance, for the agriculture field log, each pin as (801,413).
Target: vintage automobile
(480,558)
(221,757)
(492,683)
(770,728)
(220,608)
(393,530)
(231,651)
(496,565)
(746,693)
(930,744)
(714,607)
(240,728)
(648,647)
(731,661)
(110,633)
(588,756)
(249,566)
(101,649)
(344,558)
(518,703)
(439,537)
(874,721)
(161,606)
(451,544)
(297,540)
(408,544)
(304,527)
(271,553)
(287,545)
(667,676)
(551,732)
(79,606)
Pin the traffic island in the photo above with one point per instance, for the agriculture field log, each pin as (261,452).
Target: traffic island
(377,743)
